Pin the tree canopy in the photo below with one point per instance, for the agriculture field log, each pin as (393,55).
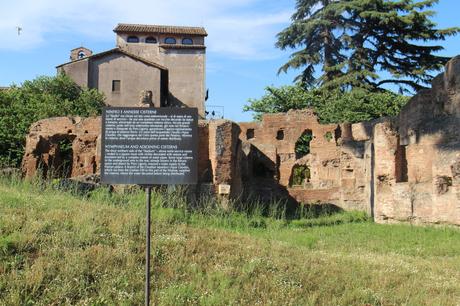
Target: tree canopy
(330,106)
(44,97)
(353,41)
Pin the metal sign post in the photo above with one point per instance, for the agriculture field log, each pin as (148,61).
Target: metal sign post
(148,190)
(149,146)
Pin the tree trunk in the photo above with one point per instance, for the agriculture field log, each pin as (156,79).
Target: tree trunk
(327,40)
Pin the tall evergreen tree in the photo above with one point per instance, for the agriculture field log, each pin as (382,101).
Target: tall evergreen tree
(314,29)
(354,40)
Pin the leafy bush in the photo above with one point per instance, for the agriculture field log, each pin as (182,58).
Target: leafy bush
(44,97)
(358,105)
(280,100)
(330,106)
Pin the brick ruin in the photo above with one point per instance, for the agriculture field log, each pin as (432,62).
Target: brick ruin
(399,169)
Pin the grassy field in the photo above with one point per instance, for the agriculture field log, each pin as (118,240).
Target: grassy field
(62,249)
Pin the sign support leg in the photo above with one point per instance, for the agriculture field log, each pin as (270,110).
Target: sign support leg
(148,190)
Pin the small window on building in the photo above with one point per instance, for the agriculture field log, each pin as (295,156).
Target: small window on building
(81,54)
(249,134)
(401,171)
(280,135)
(150,40)
(116,85)
(170,40)
(133,39)
(187,41)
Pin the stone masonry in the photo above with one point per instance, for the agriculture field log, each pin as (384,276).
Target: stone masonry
(400,169)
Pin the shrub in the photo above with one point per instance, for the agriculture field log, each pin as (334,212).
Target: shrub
(330,106)
(357,105)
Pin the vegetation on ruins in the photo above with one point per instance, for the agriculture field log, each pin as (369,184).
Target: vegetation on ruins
(330,106)
(353,41)
(58,247)
(43,97)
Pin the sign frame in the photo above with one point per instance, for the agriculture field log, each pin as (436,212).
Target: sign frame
(146,179)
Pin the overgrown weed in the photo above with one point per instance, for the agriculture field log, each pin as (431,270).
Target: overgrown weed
(61,247)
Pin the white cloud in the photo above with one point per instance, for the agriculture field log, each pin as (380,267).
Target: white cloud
(246,36)
(237,28)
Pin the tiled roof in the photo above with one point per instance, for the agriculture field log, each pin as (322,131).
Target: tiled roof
(117,50)
(179,46)
(146,28)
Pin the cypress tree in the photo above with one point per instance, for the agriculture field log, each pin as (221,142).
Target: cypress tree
(354,40)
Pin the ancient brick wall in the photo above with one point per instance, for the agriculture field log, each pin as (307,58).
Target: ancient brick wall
(47,138)
(332,166)
(401,169)
(417,156)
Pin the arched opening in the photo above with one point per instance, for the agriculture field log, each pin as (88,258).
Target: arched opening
(81,54)
(300,175)
(187,41)
(302,146)
(64,158)
(56,158)
(170,40)
(337,133)
(150,40)
(133,39)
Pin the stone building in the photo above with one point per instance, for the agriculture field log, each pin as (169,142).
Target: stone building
(168,62)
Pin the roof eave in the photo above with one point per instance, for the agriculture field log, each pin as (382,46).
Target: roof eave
(135,57)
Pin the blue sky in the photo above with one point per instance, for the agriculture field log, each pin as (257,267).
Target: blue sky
(241,57)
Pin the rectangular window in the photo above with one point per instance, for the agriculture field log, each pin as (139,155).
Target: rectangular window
(401,171)
(116,85)
(249,134)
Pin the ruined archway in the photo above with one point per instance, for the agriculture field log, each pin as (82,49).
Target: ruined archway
(300,175)
(55,156)
(64,157)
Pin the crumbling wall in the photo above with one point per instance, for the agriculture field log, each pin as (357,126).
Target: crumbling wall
(401,169)
(43,151)
(218,151)
(331,164)
(397,169)
(225,155)
(418,155)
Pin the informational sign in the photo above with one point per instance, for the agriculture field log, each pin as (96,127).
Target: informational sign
(224,189)
(149,146)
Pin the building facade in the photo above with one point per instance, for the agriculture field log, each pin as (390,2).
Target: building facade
(166,61)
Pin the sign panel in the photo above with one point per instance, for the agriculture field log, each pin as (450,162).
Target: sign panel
(149,146)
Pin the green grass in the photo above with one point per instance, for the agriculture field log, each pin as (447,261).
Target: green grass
(61,248)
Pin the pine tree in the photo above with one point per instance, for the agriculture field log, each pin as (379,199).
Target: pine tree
(354,40)
(313,29)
